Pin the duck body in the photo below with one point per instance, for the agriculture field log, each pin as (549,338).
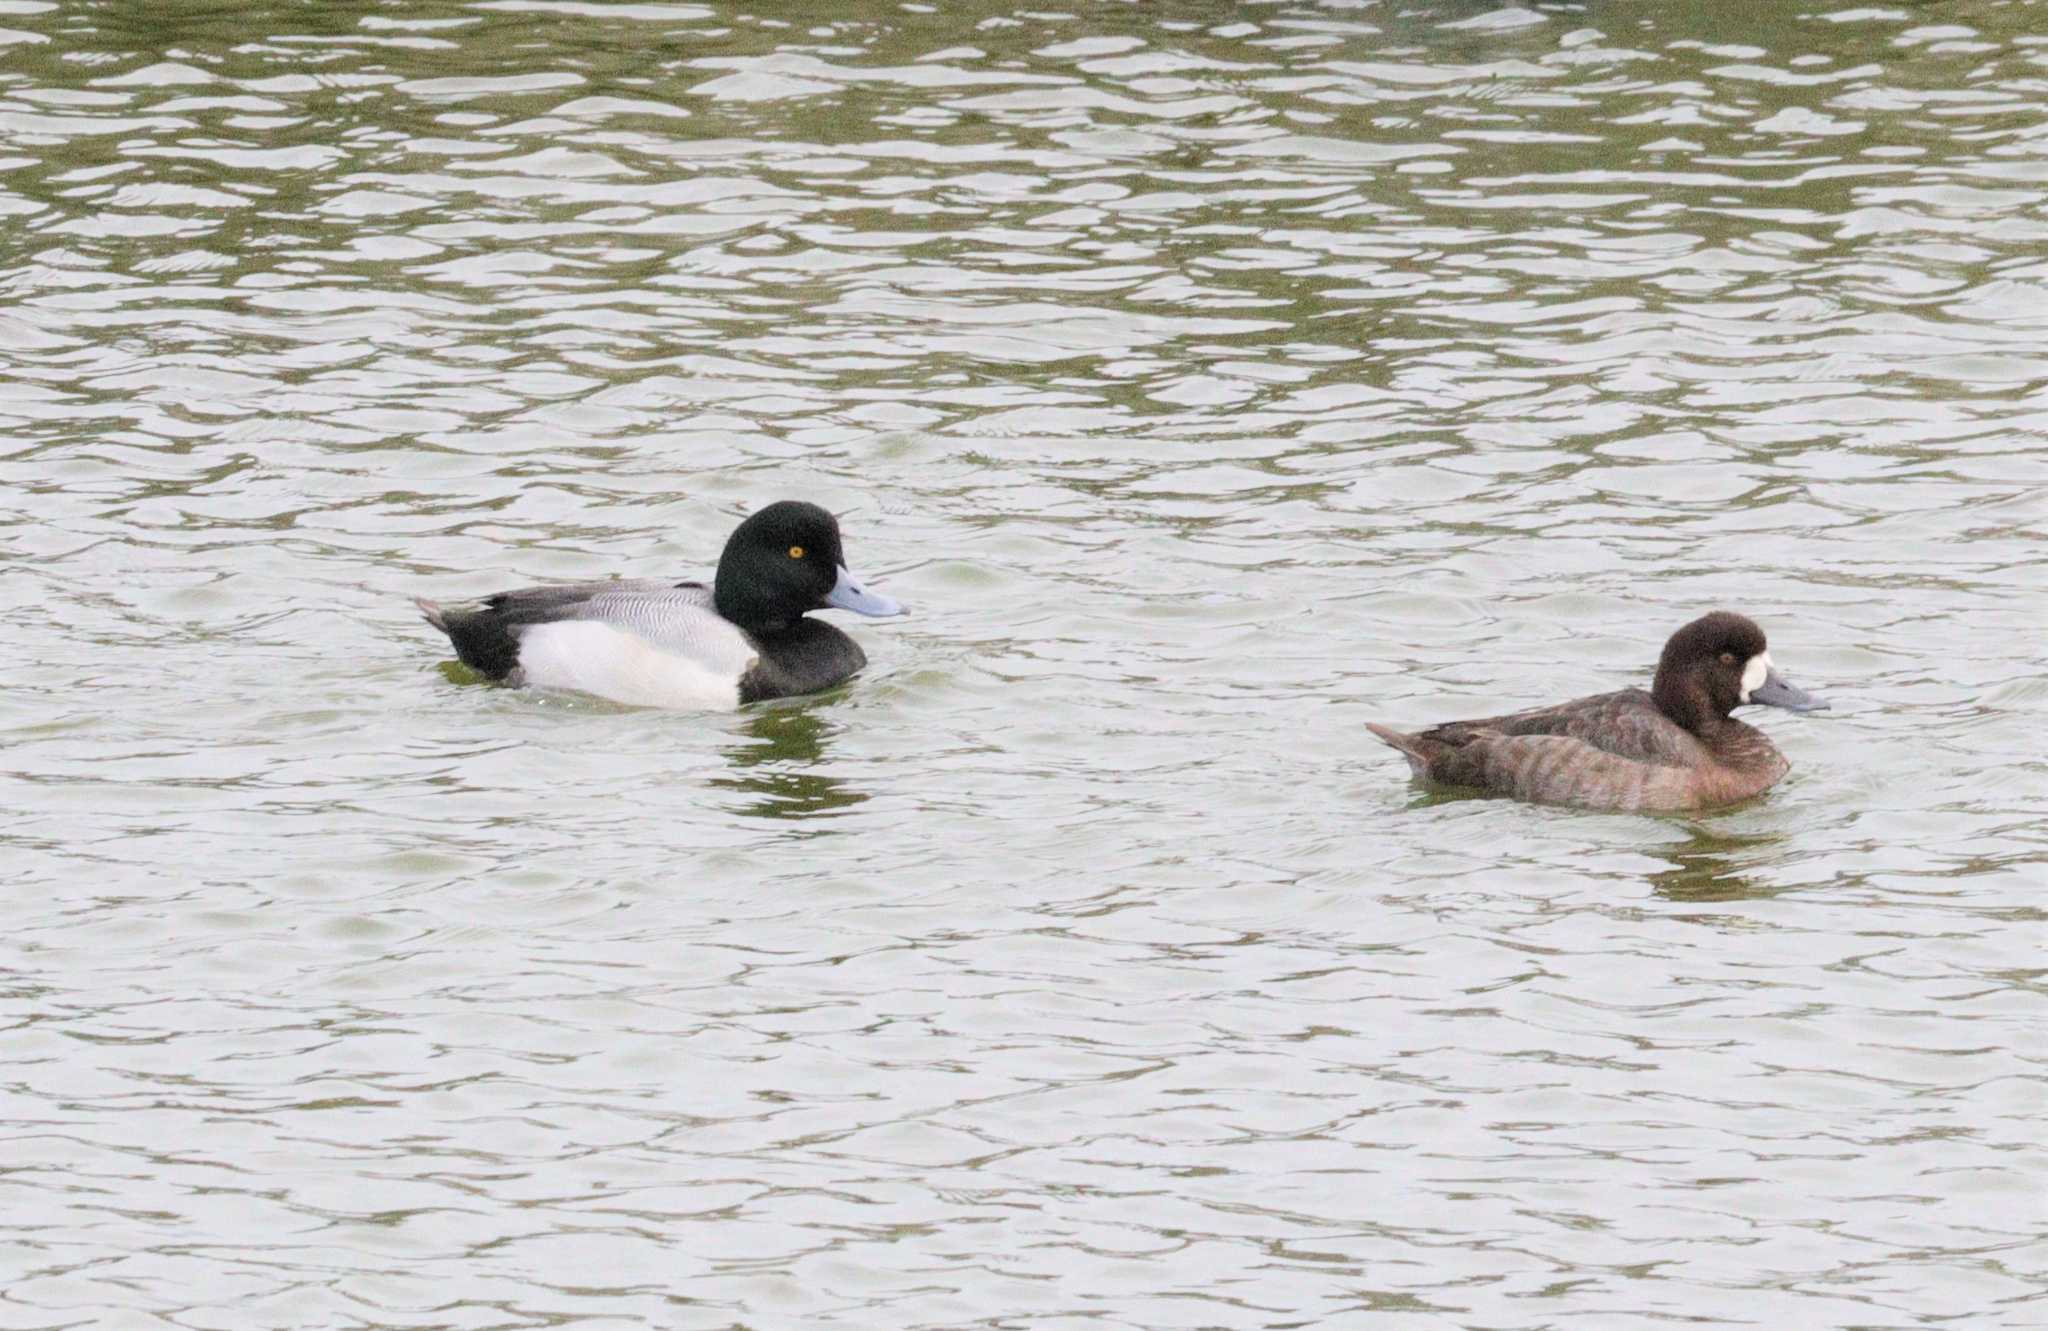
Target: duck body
(658,643)
(1671,749)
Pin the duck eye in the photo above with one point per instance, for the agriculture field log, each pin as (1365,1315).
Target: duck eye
(796,552)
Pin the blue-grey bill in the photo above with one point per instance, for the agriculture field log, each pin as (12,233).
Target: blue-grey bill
(848,594)
(1777,691)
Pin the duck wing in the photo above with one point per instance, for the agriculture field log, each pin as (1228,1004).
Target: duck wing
(1608,751)
(598,619)
(1626,724)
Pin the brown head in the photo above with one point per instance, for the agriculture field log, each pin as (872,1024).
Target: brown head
(1718,663)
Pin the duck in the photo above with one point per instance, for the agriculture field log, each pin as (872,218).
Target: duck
(651,642)
(1673,749)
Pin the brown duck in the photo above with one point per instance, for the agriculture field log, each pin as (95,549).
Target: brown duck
(1672,749)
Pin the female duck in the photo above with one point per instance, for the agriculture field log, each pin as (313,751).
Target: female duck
(657,643)
(1672,749)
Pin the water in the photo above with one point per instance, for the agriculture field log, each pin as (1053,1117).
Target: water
(1212,380)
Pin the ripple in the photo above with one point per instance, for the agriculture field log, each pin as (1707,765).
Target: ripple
(1212,387)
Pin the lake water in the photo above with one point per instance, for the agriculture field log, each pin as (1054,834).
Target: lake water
(1212,380)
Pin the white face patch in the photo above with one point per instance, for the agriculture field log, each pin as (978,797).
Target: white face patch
(1754,673)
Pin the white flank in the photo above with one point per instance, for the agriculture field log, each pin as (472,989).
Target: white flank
(591,657)
(1754,674)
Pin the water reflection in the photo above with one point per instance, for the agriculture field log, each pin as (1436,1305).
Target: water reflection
(1422,795)
(784,743)
(1707,866)
(1210,364)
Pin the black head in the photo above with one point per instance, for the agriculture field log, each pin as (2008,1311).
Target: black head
(784,562)
(1718,663)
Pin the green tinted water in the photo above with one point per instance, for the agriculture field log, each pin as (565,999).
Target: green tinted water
(1212,380)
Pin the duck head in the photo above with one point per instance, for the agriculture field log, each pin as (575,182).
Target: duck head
(784,562)
(1718,663)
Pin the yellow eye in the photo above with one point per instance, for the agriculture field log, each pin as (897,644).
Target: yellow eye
(796,552)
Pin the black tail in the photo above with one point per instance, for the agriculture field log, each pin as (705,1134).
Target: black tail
(481,638)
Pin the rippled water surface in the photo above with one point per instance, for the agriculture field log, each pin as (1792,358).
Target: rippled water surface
(1212,380)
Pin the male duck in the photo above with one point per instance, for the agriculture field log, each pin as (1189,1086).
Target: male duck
(1672,749)
(657,643)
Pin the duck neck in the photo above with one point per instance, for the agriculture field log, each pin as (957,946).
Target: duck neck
(1724,734)
(758,615)
(1690,707)
(1720,732)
